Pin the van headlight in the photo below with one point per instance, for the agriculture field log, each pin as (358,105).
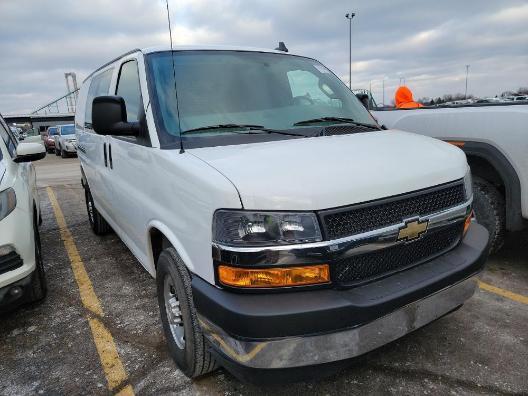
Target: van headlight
(468,184)
(251,228)
(7,202)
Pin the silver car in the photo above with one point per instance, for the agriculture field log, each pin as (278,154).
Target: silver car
(65,141)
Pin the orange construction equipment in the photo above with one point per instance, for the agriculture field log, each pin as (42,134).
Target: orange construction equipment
(404,99)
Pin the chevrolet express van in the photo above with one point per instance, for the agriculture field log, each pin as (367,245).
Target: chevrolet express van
(283,226)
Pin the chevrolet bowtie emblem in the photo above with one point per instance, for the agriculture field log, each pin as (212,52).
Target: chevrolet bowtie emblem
(412,230)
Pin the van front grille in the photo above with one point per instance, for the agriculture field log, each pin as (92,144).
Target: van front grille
(360,218)
(363,268)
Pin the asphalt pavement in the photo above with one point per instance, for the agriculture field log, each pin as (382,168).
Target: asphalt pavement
(57,347)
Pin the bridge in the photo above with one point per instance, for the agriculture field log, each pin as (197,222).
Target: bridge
(57,112)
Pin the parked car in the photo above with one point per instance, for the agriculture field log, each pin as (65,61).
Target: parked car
(65,140)
(22,277)
(283,226)
(49,139)
(495,141)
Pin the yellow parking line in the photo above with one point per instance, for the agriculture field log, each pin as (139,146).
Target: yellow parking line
(113,368)
(504,293)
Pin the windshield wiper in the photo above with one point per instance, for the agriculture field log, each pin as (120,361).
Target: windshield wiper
(343,120)
(246,129)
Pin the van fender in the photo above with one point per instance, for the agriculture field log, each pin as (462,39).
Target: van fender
(173,240)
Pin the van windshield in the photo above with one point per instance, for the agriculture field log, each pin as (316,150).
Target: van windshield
(241,88)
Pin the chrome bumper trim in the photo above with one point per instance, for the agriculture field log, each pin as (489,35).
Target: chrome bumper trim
(304,351)
(338,248)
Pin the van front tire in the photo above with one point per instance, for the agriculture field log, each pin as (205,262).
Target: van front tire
(187,345)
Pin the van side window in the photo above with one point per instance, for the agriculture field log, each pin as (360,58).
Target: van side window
(128,88)
(99,86)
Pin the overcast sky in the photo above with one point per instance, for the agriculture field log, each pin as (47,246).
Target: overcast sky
(426,42)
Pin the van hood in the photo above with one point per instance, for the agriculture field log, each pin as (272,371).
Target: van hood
(329,171)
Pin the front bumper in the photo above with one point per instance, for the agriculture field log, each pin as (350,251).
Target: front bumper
(284,330)
(16,231)
(70,147)
(16,293)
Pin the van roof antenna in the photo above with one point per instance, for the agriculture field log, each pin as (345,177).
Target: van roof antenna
(281,47)
(174,75)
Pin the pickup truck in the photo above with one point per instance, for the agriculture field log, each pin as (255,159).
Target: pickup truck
(283,226)
(495,140)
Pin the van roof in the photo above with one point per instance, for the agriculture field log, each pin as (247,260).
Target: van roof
(161,48)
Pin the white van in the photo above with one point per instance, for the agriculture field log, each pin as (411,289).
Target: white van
(283,226)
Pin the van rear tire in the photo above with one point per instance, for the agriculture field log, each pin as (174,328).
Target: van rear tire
(97,223)
(186,342)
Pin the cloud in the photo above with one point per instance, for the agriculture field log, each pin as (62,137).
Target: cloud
(426,43)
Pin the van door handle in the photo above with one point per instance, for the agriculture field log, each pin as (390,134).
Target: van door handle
(110,155)
(105,155)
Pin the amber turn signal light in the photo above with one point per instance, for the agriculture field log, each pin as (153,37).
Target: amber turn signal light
(273,277)
(467,222)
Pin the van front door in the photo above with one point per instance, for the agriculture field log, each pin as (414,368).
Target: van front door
(130,162)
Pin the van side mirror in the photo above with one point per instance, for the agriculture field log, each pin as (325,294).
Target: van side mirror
(28,152)
(109,117)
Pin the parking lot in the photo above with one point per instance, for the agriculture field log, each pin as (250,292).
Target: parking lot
(64,346)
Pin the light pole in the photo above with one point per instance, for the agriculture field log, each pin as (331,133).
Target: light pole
(467,72)
(383,88)
(349,16)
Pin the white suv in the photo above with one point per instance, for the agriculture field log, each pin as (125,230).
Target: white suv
(22,277)
(283,226)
